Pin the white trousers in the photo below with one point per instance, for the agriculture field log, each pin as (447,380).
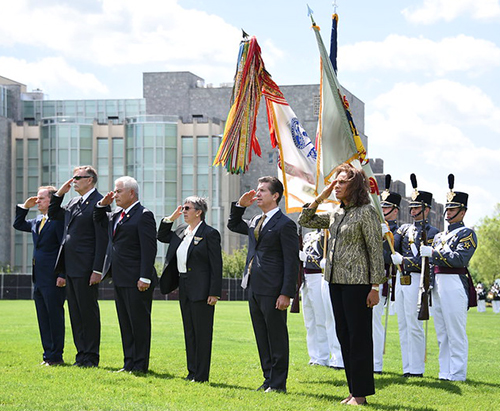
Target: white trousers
(450,319)
(496,306)
(322,343)
(481,306)
(315,319)
(411,330)
(336,359)
(378,333)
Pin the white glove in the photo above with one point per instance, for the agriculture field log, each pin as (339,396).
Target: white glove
(385,229)
(322,263)
(397,259)
(426,251)
(302,255)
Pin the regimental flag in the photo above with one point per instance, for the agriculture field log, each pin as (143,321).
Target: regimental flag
(374,190)
(297,154)
(239,139)
(333,41)
(339,141)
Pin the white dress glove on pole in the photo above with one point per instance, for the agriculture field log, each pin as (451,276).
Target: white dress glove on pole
(426,251)
(302,255)
(397,259)
(385,228)
(322,263)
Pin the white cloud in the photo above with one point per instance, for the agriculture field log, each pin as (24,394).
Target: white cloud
(439,128)
(407,54)
(52,74)
(433,11)
(121,32)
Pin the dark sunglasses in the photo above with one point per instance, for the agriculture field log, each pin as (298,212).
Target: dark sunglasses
(186,208)
(80,177)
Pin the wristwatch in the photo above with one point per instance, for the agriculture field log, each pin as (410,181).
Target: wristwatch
(375,287)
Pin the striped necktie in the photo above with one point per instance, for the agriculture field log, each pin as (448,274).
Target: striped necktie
(258,227)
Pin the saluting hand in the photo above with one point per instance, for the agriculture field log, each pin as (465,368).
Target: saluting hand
(327,191)
(176,214)
(107,199)
(247,199)
(65,187)
(30,202)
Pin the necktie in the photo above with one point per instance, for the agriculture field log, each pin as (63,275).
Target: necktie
(119,219)
(256,231)
(258,227)
(44,219)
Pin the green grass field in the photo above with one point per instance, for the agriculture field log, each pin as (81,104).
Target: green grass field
(235,373)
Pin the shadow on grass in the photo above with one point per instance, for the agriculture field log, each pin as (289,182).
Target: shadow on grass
(231,386)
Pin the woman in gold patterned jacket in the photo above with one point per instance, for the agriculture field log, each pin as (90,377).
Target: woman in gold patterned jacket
(354,269)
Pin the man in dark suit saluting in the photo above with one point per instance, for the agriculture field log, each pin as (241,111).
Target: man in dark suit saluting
(271,275)
(130,259)
(81,256)
(48,292)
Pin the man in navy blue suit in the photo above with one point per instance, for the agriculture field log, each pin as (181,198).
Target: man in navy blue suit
(81,256)
(271,274)
(130,259)
(48,292)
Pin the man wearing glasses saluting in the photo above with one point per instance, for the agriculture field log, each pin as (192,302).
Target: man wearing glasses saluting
(81,255)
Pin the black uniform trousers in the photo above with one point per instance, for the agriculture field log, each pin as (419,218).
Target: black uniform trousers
(271,334)
(49,304)
(353,323)
(198,323)
(85,319)
(134,316)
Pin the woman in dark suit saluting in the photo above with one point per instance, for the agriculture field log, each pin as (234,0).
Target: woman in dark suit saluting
(194,259)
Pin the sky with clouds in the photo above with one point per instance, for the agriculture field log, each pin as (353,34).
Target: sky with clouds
(427,70)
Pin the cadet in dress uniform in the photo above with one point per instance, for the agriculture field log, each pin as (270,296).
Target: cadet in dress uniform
(322,343)
(453,290)
(481,298)
(408,239)
(390,207)
(495,296)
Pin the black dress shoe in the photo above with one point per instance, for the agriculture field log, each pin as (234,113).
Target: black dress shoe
(377,372)
(336,368)
(54,363)
(271,389)
(78,364)
(409,375)
(263,387)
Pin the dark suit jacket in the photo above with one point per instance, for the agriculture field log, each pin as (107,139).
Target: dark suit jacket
(131,251)
(204,261)
(45,245)
(275,255)
(84,242)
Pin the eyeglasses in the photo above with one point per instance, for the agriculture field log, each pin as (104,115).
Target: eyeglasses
(80,177)
(186,208)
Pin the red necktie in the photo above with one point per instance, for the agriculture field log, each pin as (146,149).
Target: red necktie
(119,219)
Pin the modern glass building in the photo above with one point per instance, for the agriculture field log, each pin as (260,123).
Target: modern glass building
(170,159)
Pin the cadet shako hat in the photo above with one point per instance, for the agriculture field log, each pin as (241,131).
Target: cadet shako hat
(389,198)
(419,196)
(455,199)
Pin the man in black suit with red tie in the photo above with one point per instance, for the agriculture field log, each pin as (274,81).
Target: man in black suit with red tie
(81,257)
(130,259)
(271,275)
